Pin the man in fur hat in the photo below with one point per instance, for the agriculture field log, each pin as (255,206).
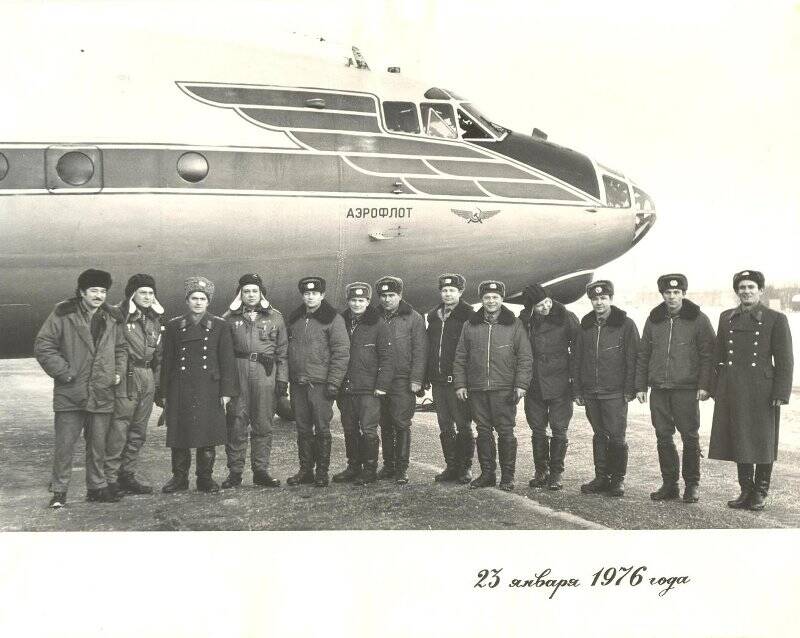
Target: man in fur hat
(607,345)
(675,360)
(408,350)
(755,363)
(261,345)
(552,331)
(80,346)
(492,369)
(141,327)
(319,351)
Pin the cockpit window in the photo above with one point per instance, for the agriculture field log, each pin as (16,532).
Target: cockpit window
(470,129)
(401,117)
(479,117)
(642,200)
(439,120)
(617,193)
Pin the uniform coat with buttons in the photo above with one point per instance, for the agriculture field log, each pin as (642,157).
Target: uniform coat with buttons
(754,367)
(198,368)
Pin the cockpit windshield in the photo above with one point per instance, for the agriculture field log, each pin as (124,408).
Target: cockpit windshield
(490,126)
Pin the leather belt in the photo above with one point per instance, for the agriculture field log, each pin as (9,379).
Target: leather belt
(253,356)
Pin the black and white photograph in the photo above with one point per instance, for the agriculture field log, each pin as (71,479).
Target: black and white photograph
(406,316)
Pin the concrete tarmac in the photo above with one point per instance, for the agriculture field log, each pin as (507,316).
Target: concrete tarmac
(26,448)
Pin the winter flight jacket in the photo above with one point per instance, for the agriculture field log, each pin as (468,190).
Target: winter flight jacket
(493,356)
(65,349)
(371,365)
(442,341)
(676,353)
(607,356)
(319,348)
(408,346)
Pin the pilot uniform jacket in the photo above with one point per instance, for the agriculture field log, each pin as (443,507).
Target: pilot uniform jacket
(442,341)
(754,367)
(553,341)
(607,356)
(408,346)
(266,335)
(676,353)
(142,333)
(65,348)
(319,347)
(371,365)
(493,356)
(197,369)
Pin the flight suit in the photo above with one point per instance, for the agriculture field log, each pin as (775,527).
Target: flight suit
(260,332)
(134,402)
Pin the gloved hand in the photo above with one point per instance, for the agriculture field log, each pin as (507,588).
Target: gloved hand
(159,401)
(331,391)
(281,388)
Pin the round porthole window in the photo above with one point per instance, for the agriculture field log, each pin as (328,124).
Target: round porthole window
(3,166)
(192,167)
(75,168)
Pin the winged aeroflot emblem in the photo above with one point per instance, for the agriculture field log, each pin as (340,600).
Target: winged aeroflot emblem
(476,216)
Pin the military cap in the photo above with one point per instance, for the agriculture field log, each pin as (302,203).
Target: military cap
(497,287)
(199,284)
(307,284)
(600,287)
(452,279)
(358,289)
(94,279)
(252,279)
(389,284)
(534,294)
(673,280)
(140,280)
(750,275)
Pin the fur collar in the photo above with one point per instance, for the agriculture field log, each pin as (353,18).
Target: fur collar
(557,316)
(404,308)
(506,317)
(260,309)
(71,306)
(207,320)
(461,312)
(324,314)
(369,318)
(689,311)
(615,319)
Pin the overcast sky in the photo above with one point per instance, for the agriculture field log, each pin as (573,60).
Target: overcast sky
(695,101)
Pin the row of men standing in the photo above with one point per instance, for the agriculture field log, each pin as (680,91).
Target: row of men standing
(373,361)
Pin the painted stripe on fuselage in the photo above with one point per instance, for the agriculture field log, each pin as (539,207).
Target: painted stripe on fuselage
(283,119)
(480,169)
(391,165)
(537,191)
(455,187)
(382,144)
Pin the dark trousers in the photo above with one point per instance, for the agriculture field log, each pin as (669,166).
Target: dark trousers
(312,411)
(182,461)
(360,414)
(672,410)
(252,409)
(493,410)
(609,419)
(397,410)
(556,413)
(453,415)
(68,427)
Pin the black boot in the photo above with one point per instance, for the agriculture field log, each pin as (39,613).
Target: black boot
(234,480)
(388,436)
(369,468)
(558,452)
(353,442)
(129,485)
(691,472)
(669,463)
(305,452)
(322,450)
(205,468)
(745,473)
(541,460)
(451,471)
(466,445)
(618,463)
(486,457)
(102,495)
(507,449)
(181,462)
(761,487)
(599,483)
(115,491)
(403,453)
(263,479)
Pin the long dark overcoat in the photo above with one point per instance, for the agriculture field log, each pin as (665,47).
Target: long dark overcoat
(754,367)
(198,367)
